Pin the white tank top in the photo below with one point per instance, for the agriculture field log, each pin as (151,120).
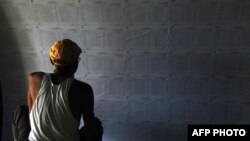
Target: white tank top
(50,117)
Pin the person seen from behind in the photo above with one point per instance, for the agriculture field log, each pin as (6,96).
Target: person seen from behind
(57,101)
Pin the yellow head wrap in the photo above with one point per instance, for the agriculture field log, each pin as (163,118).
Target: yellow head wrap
(64,52)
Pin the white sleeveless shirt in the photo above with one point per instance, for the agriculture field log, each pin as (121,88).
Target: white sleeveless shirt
(50,117)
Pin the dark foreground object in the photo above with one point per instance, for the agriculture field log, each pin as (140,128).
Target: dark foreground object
(21,126)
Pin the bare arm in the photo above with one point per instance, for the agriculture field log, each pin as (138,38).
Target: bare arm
(34,84)
(30,100)
(88,113)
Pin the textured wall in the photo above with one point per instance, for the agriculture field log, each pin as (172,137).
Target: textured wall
(155,65)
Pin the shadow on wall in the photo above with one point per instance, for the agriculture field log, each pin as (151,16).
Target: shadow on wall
(1,112)
(11,67)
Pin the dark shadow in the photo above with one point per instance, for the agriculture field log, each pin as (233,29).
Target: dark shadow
(11,67)
(1,112)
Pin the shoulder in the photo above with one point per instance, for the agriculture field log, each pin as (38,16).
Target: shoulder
(81,92)
(80,85)
(35,80)
(36,76)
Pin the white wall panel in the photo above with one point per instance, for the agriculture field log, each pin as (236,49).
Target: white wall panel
(147,13)
(111,109)
(225,63)
(243,41)
(240,88)
(106,86)
(54,1)
(144,63)
(176,130)
(188,110)
(54,14)
(99,13)
(230,13)
(182,13)
(220,87)
(146,109)
(240,111)
(221,111)
(103,63)
(45,64)
(180,37)
(228,38)
(30,63)
(201,64)
(180,87)
(115,130)
(146,86)
(146,131)
(206,12)
(203,39)
(178,63)
(146,39)
(46,36)
(101,38)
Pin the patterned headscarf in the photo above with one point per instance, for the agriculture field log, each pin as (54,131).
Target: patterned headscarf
(64,52)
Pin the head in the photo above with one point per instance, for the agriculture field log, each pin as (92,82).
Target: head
(64,55)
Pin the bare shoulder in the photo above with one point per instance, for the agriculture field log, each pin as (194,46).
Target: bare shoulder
(81,91)
(82,86)
(36,76)
(35,80)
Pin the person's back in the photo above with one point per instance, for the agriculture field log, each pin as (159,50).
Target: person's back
(51,117)
(57,101)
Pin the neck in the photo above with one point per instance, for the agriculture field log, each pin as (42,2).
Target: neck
(57,77)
